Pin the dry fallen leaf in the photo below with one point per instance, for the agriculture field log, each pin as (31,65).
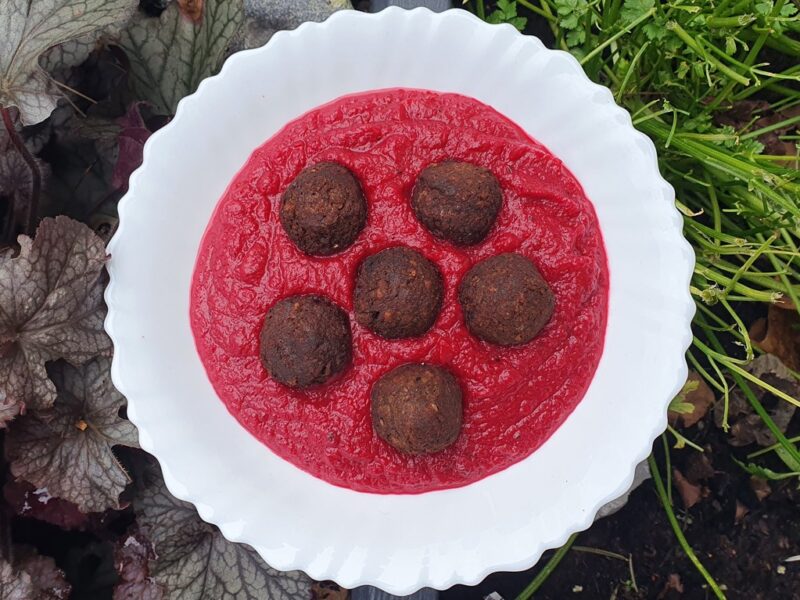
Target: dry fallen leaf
(690,493)
(779,334)
(692,403)
(741,512)
(746,426)
(673,584)
(699,467)
(760,487)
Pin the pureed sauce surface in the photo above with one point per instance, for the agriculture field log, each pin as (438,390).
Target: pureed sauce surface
(514,398)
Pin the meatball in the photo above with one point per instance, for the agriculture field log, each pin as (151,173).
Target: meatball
(457,201)
(305,341)
(323,210)
(417,408)
(398,293)
(505,300)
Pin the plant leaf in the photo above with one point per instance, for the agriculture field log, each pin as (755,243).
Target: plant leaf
(692,402)
(779,334)
(764,472)
(13,585)
(68,449)
(83,153)
(196,561)
(29,501)
(131,141)
(132,556)
(746,426)
(32,577)
(633,9)
(51,307)
(170,55)
(48,580)
(16,184)
(31,28)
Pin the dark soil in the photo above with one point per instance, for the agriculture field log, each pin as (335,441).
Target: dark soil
(741,540)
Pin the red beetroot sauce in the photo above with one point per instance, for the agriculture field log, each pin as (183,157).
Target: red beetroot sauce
(514,398)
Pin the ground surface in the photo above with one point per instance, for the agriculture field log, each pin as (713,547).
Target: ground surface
(745,553)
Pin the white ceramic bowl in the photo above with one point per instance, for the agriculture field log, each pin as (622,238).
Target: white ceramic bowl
(398,543)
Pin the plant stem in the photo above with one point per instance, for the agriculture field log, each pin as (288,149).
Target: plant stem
(700,50)
(629,72)
(547,570)
(617,35)
(536,10)
(738,377)
(668,469)
(480,9)
(735,21)
(662,494)
(780,125)
(769,449)
(36,177)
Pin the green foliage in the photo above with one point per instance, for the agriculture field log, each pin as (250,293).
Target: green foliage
(635,9)
(679,404)
(575,19)
(506,12)
(764,472)
(716,85)
(688,72)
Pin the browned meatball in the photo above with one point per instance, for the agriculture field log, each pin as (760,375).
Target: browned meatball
(305,341)
(505,300)
(457,201)
(398,293)
(417,408)
(323,210)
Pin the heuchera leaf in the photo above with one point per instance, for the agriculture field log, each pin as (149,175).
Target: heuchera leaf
(16,184)
(29,28)
(132,557)
(51,307)
(83,154)
(48,580)
(196,561)
(68,449)
(59,60)
(13,585)
(170,55)
(32,577)
(131,141)
(27,500)
(8,408)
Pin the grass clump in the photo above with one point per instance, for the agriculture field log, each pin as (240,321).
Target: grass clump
(716,85)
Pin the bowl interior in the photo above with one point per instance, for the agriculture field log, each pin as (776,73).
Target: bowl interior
(399,543)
